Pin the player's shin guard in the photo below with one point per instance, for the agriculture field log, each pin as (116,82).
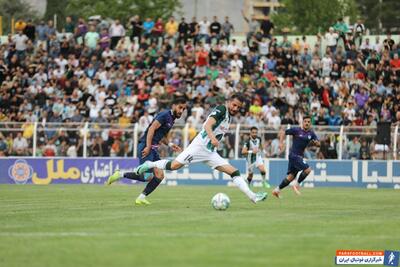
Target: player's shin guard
(242,185)
(151,186)
(134,176)
(161,164)
(302,177)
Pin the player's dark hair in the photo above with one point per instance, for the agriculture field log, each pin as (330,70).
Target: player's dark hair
(253,128)
(306,117)
(239,97)
(179,100)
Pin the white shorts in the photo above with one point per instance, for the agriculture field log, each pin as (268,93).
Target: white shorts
(196,152)
(258,162)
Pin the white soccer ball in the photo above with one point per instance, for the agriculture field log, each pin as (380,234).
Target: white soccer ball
(220,201)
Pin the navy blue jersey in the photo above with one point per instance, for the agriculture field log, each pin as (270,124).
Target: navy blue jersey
(301,139)
(167,120)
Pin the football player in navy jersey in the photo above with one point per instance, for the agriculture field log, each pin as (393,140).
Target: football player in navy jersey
(302,137)
(155,134)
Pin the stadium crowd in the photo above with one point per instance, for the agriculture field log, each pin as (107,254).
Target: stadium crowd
(102,72)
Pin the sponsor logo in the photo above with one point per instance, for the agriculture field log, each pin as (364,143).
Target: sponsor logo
(20,171)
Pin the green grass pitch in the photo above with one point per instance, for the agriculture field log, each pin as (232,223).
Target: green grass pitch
(91,225)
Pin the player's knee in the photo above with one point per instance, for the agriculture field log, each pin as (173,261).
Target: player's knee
(235,173)
(307,171)
(159,174)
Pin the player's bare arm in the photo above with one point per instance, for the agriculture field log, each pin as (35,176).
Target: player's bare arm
(208,128)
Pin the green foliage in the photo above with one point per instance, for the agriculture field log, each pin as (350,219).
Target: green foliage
(56,7)
(123,9)
(386,12)
(313,16)
(16,9)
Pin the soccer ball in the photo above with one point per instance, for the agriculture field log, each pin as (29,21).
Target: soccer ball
(220,201)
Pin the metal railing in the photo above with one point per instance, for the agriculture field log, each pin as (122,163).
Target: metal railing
(90,139)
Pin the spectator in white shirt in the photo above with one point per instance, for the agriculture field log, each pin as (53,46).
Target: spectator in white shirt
(327,64)
(274,121)
(117,31)
(61,62)
(236,62)
(20,40)
(331,38)
(204,27)
(20,145)
(267,110)
(145,121)
(292,98)
(233,48)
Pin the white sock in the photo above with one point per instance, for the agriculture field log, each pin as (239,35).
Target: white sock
(244,187)
(277,189)
(141,196)
(159,164)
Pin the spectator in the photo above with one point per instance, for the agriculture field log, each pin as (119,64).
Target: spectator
(331,39)
(117,31)
(354,147)
(20,145)
(183,31)
(204,30)
(171,28)
(137,28)
(215,29)
(267,27)
(227,30)
(92,38)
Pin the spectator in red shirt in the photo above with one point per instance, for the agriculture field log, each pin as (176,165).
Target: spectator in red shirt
(395,63)
(158,31)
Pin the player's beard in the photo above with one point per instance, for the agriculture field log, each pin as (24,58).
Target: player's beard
(177,115)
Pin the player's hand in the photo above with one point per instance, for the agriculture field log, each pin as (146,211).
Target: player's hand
(255,150)
(146,151)
(176,148)
(214,142)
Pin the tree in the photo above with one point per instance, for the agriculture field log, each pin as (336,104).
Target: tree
(16,9)
(56,7)
(313,16)
(380,15)
(123,9)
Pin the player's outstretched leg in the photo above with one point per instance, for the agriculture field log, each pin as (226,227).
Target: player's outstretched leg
(241,184)
(163,164)
(118,175)
(285,182)
(303,175)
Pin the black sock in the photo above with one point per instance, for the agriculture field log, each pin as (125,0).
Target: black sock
(151,186)
(302,177)
(249,179)
(168,165)
(134,176)
(284,183)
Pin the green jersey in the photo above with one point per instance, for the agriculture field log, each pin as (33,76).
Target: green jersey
(220,128)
